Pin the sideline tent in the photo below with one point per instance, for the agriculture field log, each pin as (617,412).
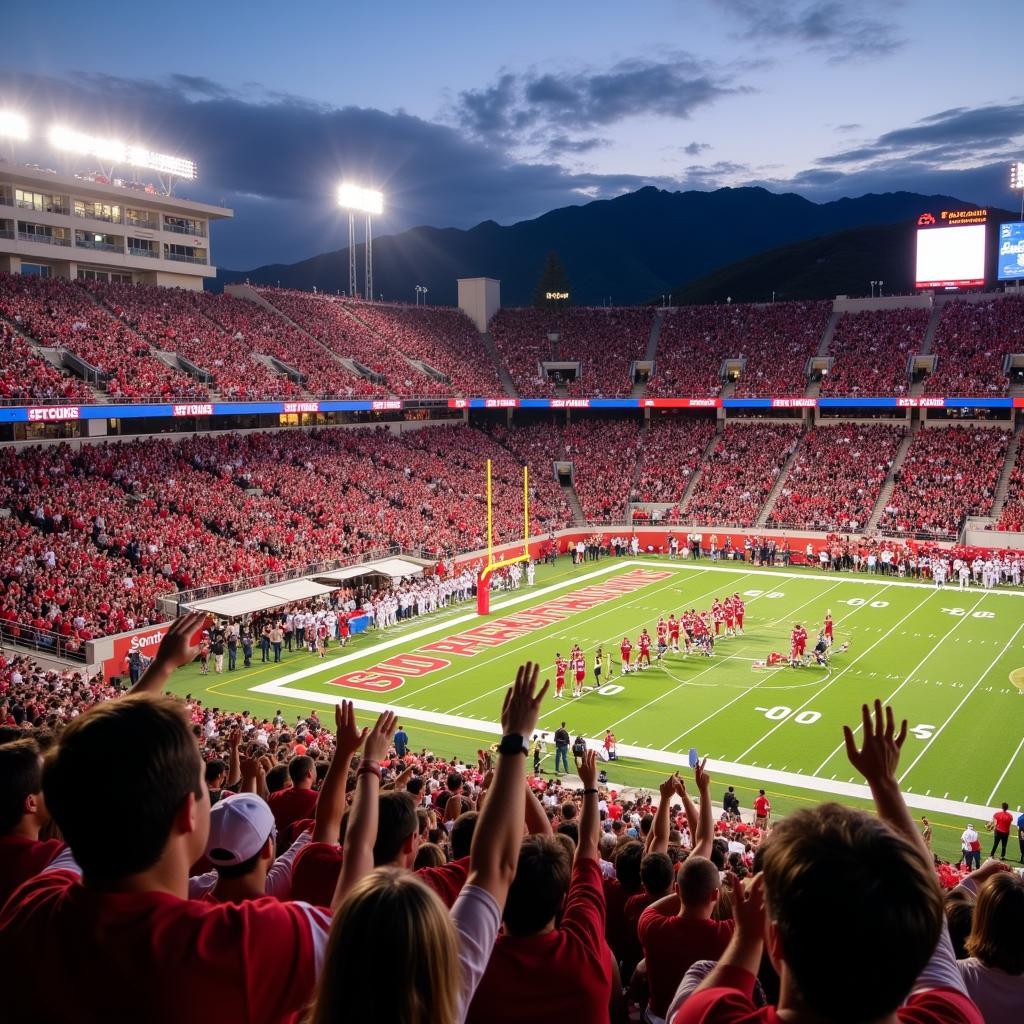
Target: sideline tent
(246,602)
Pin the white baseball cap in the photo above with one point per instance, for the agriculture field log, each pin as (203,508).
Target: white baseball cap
(239,827)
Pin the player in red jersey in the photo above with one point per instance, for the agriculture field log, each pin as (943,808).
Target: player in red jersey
(580,668)
(828,627)
(644,643)
(662,633)
(717,616)
(729,605)
(560,666)
(798,644)
(673,632)
(740,609)
(626,652)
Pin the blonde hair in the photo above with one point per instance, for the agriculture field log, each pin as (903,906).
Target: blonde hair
(391,940)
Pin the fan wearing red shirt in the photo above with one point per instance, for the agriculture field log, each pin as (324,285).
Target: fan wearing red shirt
(1002,822)
(116,930)
(551,961)
(907,970)
(297,801)
(22,814)
(762,808)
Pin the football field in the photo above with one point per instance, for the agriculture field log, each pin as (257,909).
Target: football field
(945,658)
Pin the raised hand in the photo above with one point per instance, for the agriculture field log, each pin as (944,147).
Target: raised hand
(668,788)
(588,769)
(348,736)
(521,708)
(378,740)
(879,754)
(403,780)
(747,906)
(180,644)
(701,777)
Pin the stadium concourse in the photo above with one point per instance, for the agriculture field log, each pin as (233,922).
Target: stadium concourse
(151,804)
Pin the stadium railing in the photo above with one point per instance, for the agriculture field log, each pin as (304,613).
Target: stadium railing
(42,641)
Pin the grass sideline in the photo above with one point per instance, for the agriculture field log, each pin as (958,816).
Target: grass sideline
(943,657)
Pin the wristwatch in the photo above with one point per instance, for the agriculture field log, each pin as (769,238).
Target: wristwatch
(513,743)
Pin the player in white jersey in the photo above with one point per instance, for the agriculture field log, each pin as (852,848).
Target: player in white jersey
(531,573)
(939,571)
(964,575)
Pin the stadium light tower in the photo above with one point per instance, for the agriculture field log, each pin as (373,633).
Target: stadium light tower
(356,199)
(13,126)
(1017,182)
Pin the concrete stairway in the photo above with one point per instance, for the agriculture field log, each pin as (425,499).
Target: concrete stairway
(573,498)
(780,481)
(933,326)
(692,482)
(651,352)
(890,482)
(1003,487)
(826,336)
(487,340)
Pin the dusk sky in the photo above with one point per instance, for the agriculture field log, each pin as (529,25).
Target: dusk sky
(463,112)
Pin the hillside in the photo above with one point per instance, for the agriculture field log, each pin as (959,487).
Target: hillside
(630,249)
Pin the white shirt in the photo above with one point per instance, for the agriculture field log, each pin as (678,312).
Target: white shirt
(968,838)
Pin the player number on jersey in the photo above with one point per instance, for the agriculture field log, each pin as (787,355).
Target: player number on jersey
(960,612)
(859,602)
(780,712)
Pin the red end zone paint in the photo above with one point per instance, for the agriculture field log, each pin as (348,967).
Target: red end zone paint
(392,673)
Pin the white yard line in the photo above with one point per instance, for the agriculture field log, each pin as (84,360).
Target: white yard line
(1006,770)
(953,713)
(910,675)
(835,678)
(663,757)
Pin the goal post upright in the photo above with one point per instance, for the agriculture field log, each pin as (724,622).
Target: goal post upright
(483,583)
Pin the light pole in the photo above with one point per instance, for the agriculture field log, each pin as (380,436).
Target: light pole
(873,283)
(421,289)
(356,199)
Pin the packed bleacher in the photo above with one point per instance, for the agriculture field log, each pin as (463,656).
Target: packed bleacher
(1012,515)
(776,340)
(25,377)
(443,338)
(96,535)
(836,477)
(171,319)
(60,314)
(946,476)
(739,473)
(604,341)
(329,320)
(971,340)
(670,453)
(871,349)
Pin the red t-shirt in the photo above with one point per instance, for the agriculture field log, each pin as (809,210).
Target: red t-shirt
(168,959)
(22,859)
(761,806)
(316,869)
(734,1006)
(1003,820)
(672,945)
(635,906)
(564,974)
(291,804)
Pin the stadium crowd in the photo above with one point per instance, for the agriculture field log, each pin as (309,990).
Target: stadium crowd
(946,475)
(1012,516)
(971,341)
(670,453)
(870,350)
(836,477)
(739,473)
(284,857)
(60,314)
(25,377)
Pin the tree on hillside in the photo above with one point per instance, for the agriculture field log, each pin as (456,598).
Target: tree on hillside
(552,290)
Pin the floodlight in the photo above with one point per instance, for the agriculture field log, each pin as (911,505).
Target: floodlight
(12,125)
(359,199)
(1017,175)
(114,152)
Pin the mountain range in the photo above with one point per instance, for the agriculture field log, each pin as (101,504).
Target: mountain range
(644,245)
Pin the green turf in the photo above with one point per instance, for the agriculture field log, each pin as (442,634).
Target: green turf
(948,673)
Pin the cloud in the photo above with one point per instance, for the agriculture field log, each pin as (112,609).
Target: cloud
(696,148)
(558,103)
(843,30)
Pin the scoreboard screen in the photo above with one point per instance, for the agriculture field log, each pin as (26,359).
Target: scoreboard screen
(951,249)
(1011,251)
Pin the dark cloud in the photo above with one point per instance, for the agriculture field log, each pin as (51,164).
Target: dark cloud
(844,30)
(674,86)
(559,145)
(696,148)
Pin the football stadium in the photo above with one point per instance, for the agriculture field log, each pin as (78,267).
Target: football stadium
(609,604)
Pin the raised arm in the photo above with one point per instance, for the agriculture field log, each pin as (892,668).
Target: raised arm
(657,841)
(877,761)
(537,822)
(362,825)
(234,759)
(689,809)
(744,949)
(494,853)
(179,646)
(590,818)
(704,837)
(330,805)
